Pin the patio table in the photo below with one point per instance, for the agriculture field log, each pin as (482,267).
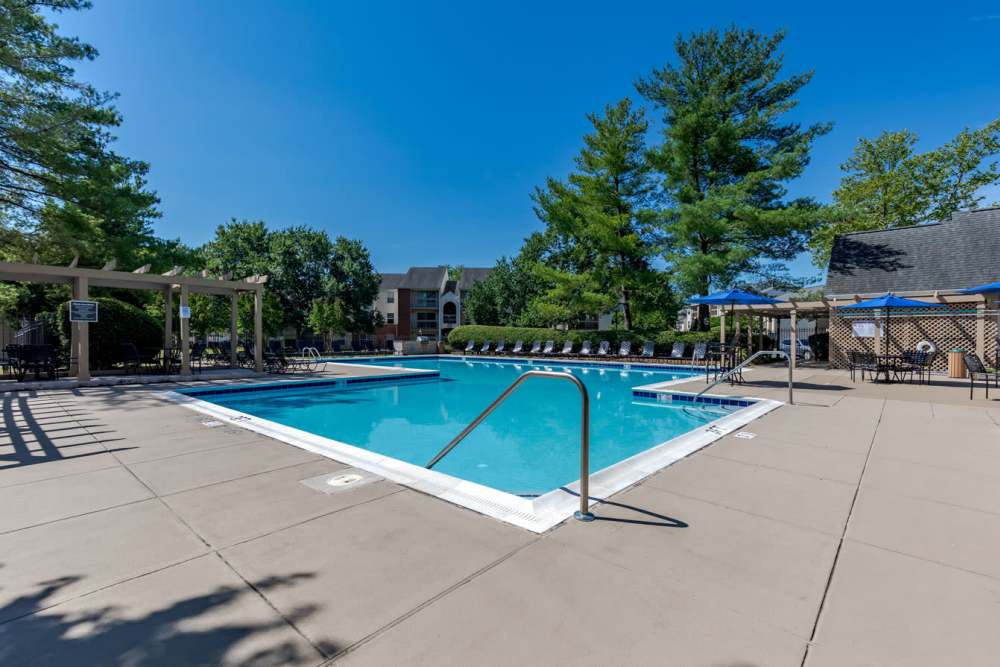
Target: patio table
(889,364)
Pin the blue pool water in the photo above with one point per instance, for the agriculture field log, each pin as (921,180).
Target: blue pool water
(530,445)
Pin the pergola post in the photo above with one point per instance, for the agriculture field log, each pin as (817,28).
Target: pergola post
(981,330)
(80,344)
(794,342)
(258,329)
(234,337)
(185,333)
(168,317)
(760,333)
(722,327)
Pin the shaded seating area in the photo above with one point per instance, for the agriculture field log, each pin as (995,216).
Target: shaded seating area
(41,361)
(171,283)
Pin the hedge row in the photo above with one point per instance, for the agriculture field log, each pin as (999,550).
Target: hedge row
(460,336)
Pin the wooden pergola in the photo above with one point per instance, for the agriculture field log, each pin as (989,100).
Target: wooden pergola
(82,280)
(825,307)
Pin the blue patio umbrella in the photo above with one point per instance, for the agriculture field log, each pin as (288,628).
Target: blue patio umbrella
(732,298)
(886,303)
(988,288)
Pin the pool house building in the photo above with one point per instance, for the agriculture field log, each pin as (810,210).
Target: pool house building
(931,263)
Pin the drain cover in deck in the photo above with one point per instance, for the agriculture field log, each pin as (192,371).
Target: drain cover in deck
(341,480)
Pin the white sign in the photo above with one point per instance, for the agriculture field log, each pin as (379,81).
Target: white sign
(82,311)
(186,312)
(865,329)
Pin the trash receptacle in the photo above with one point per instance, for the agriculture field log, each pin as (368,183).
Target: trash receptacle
(956,363)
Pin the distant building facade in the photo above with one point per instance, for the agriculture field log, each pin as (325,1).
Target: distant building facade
(424,301)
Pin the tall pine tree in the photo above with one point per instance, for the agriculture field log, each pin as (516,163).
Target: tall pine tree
(727,153)
(601,220)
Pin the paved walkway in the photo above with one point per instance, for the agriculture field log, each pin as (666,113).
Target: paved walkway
(859,527)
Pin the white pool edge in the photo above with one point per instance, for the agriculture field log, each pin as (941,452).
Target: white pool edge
(537,514)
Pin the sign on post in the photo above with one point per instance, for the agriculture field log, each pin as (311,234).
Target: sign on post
(185,312)
(82,311)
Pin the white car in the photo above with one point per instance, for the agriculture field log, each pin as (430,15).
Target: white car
(802,349)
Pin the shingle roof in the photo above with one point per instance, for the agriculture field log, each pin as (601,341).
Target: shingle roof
(960,252)
(425,278)
(471,276)
(391,280)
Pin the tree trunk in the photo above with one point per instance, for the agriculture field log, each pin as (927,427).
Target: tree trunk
(702,321)
(626,310)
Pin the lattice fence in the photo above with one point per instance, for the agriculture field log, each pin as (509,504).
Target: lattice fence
(953,326)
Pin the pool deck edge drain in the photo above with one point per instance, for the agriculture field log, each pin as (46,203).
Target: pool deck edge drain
(537,514)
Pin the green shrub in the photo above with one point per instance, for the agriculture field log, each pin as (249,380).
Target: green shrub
(117,322)
(460,336)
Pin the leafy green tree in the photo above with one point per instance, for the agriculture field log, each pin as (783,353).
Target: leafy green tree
(727,153)
(888,184)
(327,318)
(352,285)
(62,190)
(300,261)
(601,216)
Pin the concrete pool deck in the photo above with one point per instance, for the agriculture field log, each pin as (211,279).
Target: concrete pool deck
(858,527)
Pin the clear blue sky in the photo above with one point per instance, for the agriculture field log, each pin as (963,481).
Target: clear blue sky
(421,128)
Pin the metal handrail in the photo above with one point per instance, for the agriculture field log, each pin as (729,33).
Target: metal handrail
(736,369)
(584,512)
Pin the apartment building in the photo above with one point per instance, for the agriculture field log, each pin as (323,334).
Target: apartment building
(424,301)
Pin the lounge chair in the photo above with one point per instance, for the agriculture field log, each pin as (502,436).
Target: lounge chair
(585,350)
(567,348)
(604,349)
(700,353)
(677,351)
(501,347)
(485,348)
(648,350)
(518,347)
(976,369)
(536,347)
(470,347)
(626,349)
(549,347)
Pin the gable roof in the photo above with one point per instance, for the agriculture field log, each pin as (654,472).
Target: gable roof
(956,253)
(425,278)
(391,280)
(471,276)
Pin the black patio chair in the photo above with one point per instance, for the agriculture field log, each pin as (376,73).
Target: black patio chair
(976,369)
(916,364)
(860,362)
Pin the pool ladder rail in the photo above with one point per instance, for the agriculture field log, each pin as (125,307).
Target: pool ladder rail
(583,514)
(736,369)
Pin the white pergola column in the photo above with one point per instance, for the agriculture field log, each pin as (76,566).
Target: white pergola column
(258,329)
(185,334)
(168,317)
(794,339)
(80,343)
(234,337)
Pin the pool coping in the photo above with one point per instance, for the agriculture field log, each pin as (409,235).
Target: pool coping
(537,514)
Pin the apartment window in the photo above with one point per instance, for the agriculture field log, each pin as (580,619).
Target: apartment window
(390,297)
(390,318)
(426,320)
(425,299)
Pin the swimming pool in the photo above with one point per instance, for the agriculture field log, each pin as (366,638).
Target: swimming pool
(528,449)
